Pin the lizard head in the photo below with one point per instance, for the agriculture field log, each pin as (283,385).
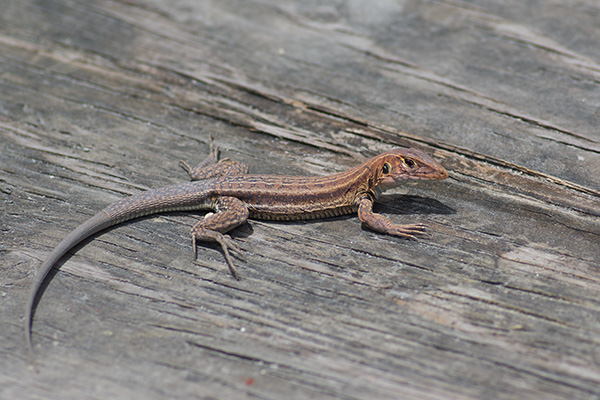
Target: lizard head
(395,166)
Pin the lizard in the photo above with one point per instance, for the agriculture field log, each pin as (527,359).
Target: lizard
(226,188)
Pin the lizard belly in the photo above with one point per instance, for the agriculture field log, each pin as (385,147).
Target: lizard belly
(297,213)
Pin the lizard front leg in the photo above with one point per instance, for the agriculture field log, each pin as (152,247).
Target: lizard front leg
(379,223)
(230,213)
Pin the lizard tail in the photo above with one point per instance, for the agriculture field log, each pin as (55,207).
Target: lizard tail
(93,225)
(188,196)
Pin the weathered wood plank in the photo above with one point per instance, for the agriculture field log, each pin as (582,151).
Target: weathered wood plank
(101,99)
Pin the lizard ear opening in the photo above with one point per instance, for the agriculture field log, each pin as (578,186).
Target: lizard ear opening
(386,169)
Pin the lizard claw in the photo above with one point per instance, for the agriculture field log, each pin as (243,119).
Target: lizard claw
(226,243)
(213,149)
(408,231)
(233,246)
(185,166)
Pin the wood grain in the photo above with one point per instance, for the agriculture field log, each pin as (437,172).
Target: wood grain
(101,99)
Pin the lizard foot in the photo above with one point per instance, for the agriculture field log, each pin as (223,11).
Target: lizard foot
(226,243)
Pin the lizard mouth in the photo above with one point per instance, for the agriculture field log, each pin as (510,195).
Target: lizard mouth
(438,174)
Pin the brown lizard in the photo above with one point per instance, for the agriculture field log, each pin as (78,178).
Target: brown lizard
(234,196)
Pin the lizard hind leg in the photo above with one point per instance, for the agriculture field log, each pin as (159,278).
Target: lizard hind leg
(212,167)
(231,212)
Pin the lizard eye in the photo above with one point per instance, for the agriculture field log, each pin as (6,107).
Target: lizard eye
(386,168)
(410,163)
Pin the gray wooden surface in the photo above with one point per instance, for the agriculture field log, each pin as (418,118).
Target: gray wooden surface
(101,99)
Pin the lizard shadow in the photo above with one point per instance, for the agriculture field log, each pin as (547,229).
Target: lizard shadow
(400,204)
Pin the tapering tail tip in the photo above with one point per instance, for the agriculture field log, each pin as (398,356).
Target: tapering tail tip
(29,340)
(31,355)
